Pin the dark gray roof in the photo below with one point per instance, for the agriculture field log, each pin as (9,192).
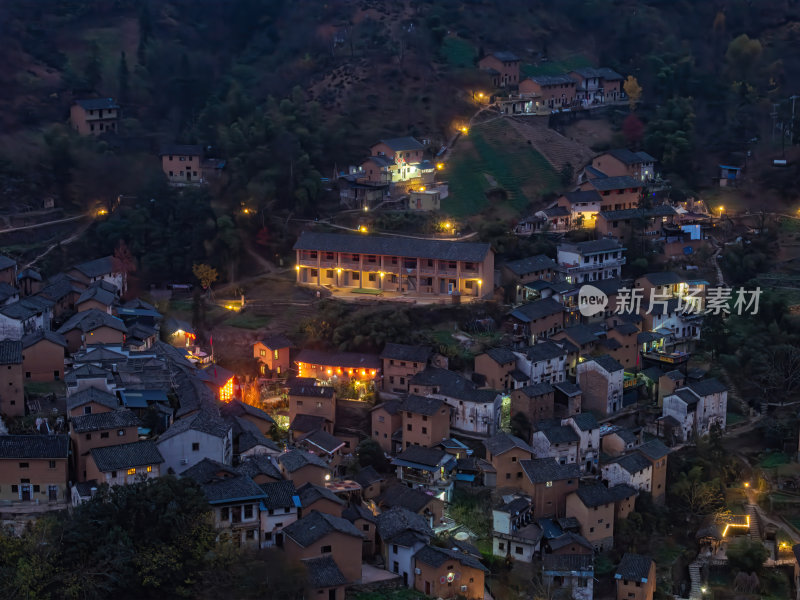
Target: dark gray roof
(280,494)
(92,394)
(406,352)
(568,563)
(502,442)
(631,158)
(585,421)
(203,421)
(502,356)
(124,456)
(627,328)
(540,470)
(568,388)
(316,525)
(595,495)
(532,264)
(239,408)
(562,434)
(436,557)
(310,493)
(181,150)
(29,274)
(592,246)
(537,309)
(615,183)
(675,375)
(367,476)
(622,491)
(608,363)
(304,423)
(323,572)
(706,387)
(297,459)
(626,435)
(663,278)
(276,342)
(348,360)
(430,457)
(258,464)
(97,267)
(421,405)
(391,406)
(113,419)
(634,567)
(687,396)
(405,497)
(353,512)
(505,56)
(441,378)
(7,291)
(97,103)
(403,143)
(10,352)
(583,196)
(393,246)
(633,462)
(568,539)
(89,320)
(553,79)
(232,489)
(516,506)
(545,350)
(555,211)
(98,294)
(602,72)
(323,440)
(518,375)
(537,389)
(34,446)
(398,520)
(581,334)
(654,449)
(6,262)
(25,308)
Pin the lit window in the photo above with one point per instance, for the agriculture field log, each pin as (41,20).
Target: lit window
(149,469)
(132,471)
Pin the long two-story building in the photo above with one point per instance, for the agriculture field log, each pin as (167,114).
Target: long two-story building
(412,266)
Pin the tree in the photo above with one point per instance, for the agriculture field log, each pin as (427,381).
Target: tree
(206,274)
(94,68)
(747,555)
(742,56)
(633,90)
(633,130)
(370,453)
(123,77)
(521,426)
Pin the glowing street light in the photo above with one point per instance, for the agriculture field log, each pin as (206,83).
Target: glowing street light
(721,210)
(747,484)
(440,166)
(363,229)
(464,129)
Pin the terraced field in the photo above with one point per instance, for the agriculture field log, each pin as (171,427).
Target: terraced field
(496,149)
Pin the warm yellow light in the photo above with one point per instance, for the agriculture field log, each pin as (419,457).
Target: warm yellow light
(382,274)
(480,281)
(132,471)
(363,229)
(102,212)
(327,476)
(446,225)
(464,130)
(330,371)
(440,166)
(366,208)
(422,189)
(297,267)
(721,208)
(480,94)
(149,469)
(746,484)
(246,211)
(338,269)
(226,391)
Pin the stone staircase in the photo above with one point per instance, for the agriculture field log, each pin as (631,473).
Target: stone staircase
(557,149)
(755,522)
(694,574)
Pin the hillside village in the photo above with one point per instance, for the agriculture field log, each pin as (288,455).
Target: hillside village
(495,360)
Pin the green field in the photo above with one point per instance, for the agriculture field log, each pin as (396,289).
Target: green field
(247,320)
(458,53)
(556,67)
(497,150)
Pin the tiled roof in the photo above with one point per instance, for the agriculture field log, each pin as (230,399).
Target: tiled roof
(97,103)
(581,334)
(297,459)
(706,387)
(592,246)
(502,442)
(537,389)
(540,470)
(430,457)
(421,405)
(97,267)
(436,557)
(345,360)
(631,158)
(633,462)
(654,449)
(124,456)
(568,564)
(627,328)
(97,294)
(531,264)
(258,464)
(310,493)
(552,79)
(406,352)
(113,419)
(92,394)
(561,435)
(608,363)
(323,573)
(615,183)
(403,143)
(7,291)
(276,342)
(583,196)
(203,421)
(316,525)
(399,520)
(390,406)
(89,320)
(546,350)
(506,56)
(516,506)
(323,440)
(367,476)
(405,497)
(34,446)
(29,274)
(304,423)
(538,309)
(353,512)
(622,491)
(502,356)
(585,421)
(10,352)
(393,246)
(568,388)
(232,489)
(239,408)
(181,150)
(595,495)
(280,494)
(568,539)
(634,567)
(663,278)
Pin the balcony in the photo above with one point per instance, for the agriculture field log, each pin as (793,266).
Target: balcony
(594,266)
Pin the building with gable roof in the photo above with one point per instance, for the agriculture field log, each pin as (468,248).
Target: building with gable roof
(272,354)
(572,573)
(506,452)
(194,438)
(594,507)
(12,396)
(425,421)
(503,67)
(513,533)
(94,116)
(635,577)
(400,363)
(123,464)
(34,468)
(633,469)
(446,573)
(548,483)
(43,356)
(97,430)
(401,534)
(601,379)
(303,467)
(387,418)
(557,441)
(698,407)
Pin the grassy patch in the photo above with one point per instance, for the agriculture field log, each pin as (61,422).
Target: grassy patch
(247,320)
(773,460)
(458,53)
(43,388)
(556,67)
(734,418)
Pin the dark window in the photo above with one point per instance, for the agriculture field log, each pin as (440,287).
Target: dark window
(23,465)
(51,464)
(224,514)
(248,511)
(325,550)
(103,435)
(195,446)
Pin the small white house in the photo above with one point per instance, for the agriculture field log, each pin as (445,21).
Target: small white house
(698,407)
(588,430)
(559,442)
(632,469)
(193,438)
(544,362)
(513,534)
